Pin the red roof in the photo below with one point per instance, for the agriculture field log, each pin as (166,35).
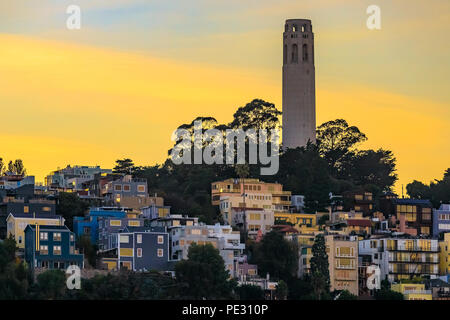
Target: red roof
(359,223)
(284,228)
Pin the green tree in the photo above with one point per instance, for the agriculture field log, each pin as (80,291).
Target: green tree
(303,171)
(346,295)
(19,168)
(88,249)
(50,285)
(335,139)
(2,167)
(385,292)
(323,219)
(250,292)
(438,191)
(320,275)
(276,256)
(257,114)
(124,166)
(370,168)
(282,290)
(203,274)
(418,190)
(70,205)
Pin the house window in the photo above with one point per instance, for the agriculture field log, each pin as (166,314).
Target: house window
(43,236)
(47,209)
(57,236)
(118,187)
(26,209)
(115,223)
(139,238)
(160,253)
(43,249)
(126,187)
(71,250)
(141,188)
(124,239)
(20,239)
(139,252)
(160,239)
(133,223)
(57,250)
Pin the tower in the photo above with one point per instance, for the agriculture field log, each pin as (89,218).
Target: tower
(299,90)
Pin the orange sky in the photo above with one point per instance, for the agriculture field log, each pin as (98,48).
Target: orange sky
(86,98)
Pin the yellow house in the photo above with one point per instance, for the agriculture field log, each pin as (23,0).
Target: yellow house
(444,255)
(17,222)
(304,222)
(413,291)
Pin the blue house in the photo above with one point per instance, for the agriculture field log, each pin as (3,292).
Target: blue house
(89,225)
(51,247)
(144,249)
(441,220)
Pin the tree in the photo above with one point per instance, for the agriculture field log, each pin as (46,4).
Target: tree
(335,139)
(124,166)
(258,114)
(385,292)
(88,249)
(418,190)
(370,168)
(281,291)
(346,295)
(323,219)
(11,168)
(438,191)
(50,285)
(250,292)
(19,168)
(70,205)
(303,171)
(320,275)
(276,256)
(203,274)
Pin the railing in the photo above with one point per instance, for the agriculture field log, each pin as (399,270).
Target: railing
(417,292)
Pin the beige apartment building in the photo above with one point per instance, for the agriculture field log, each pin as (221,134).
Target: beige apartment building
(343,263)
(279,199)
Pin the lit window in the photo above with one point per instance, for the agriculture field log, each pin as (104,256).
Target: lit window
(43,236)
(139,252)
(141,188)
(139,238)
(43,249)
(57,250)
(124,239)
(116,223)
(57,236)
(160,253)
(160,239)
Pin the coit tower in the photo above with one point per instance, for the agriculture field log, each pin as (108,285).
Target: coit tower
(299,92)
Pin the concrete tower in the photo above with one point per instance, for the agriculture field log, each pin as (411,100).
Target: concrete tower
(299,90)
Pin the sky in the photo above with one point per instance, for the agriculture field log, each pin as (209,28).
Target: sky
(137,69)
